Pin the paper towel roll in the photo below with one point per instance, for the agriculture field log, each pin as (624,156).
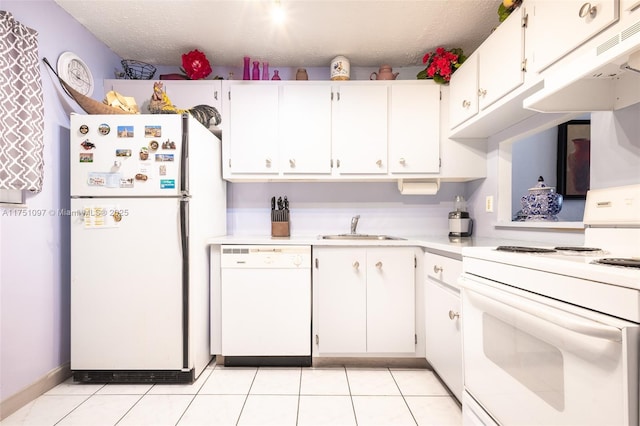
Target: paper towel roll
(418,187)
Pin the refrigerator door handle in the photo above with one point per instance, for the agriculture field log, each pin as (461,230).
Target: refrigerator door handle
(184,157)
(184,242)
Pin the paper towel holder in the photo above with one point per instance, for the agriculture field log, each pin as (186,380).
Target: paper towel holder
(418,186)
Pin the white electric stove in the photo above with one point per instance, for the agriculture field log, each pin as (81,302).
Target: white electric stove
(551,334)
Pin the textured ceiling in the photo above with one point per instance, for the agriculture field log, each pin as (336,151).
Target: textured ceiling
(313,32)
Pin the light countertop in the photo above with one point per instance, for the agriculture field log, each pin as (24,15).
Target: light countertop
(436,243)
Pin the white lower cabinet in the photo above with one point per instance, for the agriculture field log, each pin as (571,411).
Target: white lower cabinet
(364,300)
(443,337)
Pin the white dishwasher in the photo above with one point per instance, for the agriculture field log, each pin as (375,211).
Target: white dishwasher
(266,305)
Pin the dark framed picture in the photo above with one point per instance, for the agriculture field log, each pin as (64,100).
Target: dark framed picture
(574,159)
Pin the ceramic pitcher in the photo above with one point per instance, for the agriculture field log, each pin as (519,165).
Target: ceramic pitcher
(384,73)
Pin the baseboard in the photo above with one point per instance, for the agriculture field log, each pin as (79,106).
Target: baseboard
(34,390)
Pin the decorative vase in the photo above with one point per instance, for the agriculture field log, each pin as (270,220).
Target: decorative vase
(265,70)
(245,74)
(541,203)
(256,71)
(301,74)
(276,75)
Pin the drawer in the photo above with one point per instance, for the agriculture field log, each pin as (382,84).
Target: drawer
(442,268)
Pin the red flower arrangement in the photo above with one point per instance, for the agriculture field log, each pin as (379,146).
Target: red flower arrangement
(441,64)
(195,65)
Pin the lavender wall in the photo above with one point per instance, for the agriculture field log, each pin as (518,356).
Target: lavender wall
(34,266)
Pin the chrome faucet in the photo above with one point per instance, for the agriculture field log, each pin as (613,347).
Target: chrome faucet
(354,223)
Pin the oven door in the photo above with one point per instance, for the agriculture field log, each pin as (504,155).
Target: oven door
(533,360)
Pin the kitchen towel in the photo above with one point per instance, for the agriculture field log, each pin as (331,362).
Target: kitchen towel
(21,108)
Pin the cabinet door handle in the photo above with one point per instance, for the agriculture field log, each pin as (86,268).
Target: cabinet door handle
(482,92)
(292,163)
(215,95)
(337,164)
(587,9)
(402,161)
(379,163)
(437,269)
(267,162)
(454,315)
(379,265)
(356,265)
(466,104)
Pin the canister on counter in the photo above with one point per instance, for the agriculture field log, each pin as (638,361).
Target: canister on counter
(340,68)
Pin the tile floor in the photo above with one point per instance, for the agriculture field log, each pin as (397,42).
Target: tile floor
(254,396)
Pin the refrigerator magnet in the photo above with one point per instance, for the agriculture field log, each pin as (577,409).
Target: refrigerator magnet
(164,157)
(167,183)
(153,145)
(104,129)
(141,177)
(144,153)
(152,131)
(168,144)
(86,157)
(126,183)
(123,153)
(84,129)
(125,131)
(87,145)
(162,171)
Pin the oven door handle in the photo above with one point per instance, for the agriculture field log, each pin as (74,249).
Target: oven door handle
(547,313)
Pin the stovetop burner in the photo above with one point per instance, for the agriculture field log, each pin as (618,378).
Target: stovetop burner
(617,261)
(521,249)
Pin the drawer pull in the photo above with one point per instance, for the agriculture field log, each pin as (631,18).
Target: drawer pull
(292,163)
(453,315)
(356,265)
(437,269)
(466,104)
(587,9)
(267,162)
(379,265)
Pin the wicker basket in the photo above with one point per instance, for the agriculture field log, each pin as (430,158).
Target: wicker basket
(136,70)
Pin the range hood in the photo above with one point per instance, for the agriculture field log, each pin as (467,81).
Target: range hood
(605,78)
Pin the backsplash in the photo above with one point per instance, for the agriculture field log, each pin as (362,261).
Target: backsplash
(321,207)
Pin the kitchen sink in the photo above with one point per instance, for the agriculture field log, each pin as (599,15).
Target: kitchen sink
(359,237)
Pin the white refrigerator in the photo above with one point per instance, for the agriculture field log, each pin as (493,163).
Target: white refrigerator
(146,193)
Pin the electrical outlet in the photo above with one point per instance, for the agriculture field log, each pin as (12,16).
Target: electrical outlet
(488,207)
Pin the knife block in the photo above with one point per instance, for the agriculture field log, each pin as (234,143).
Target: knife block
(280,229)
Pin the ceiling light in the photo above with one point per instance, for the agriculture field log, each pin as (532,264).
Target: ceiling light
(277,12)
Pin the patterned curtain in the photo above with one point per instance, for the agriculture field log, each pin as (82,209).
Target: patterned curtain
(21,107)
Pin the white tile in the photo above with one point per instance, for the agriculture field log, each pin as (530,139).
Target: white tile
(276,381)
(382,410)
(124,389)
(157,410)
(182,388)
(371,382)
(324,382)
(277,410)
(213,410)
(45,410)
(418,383)
(316,410)
(435,410)
(69,387)
(229,381)
(100,410)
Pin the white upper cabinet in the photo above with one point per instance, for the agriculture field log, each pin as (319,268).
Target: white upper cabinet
(253,129)
(333,130)
(306,128)
(558,27)
(501,64)
(464,92)
(414,129)
(491,72)
(360,129)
